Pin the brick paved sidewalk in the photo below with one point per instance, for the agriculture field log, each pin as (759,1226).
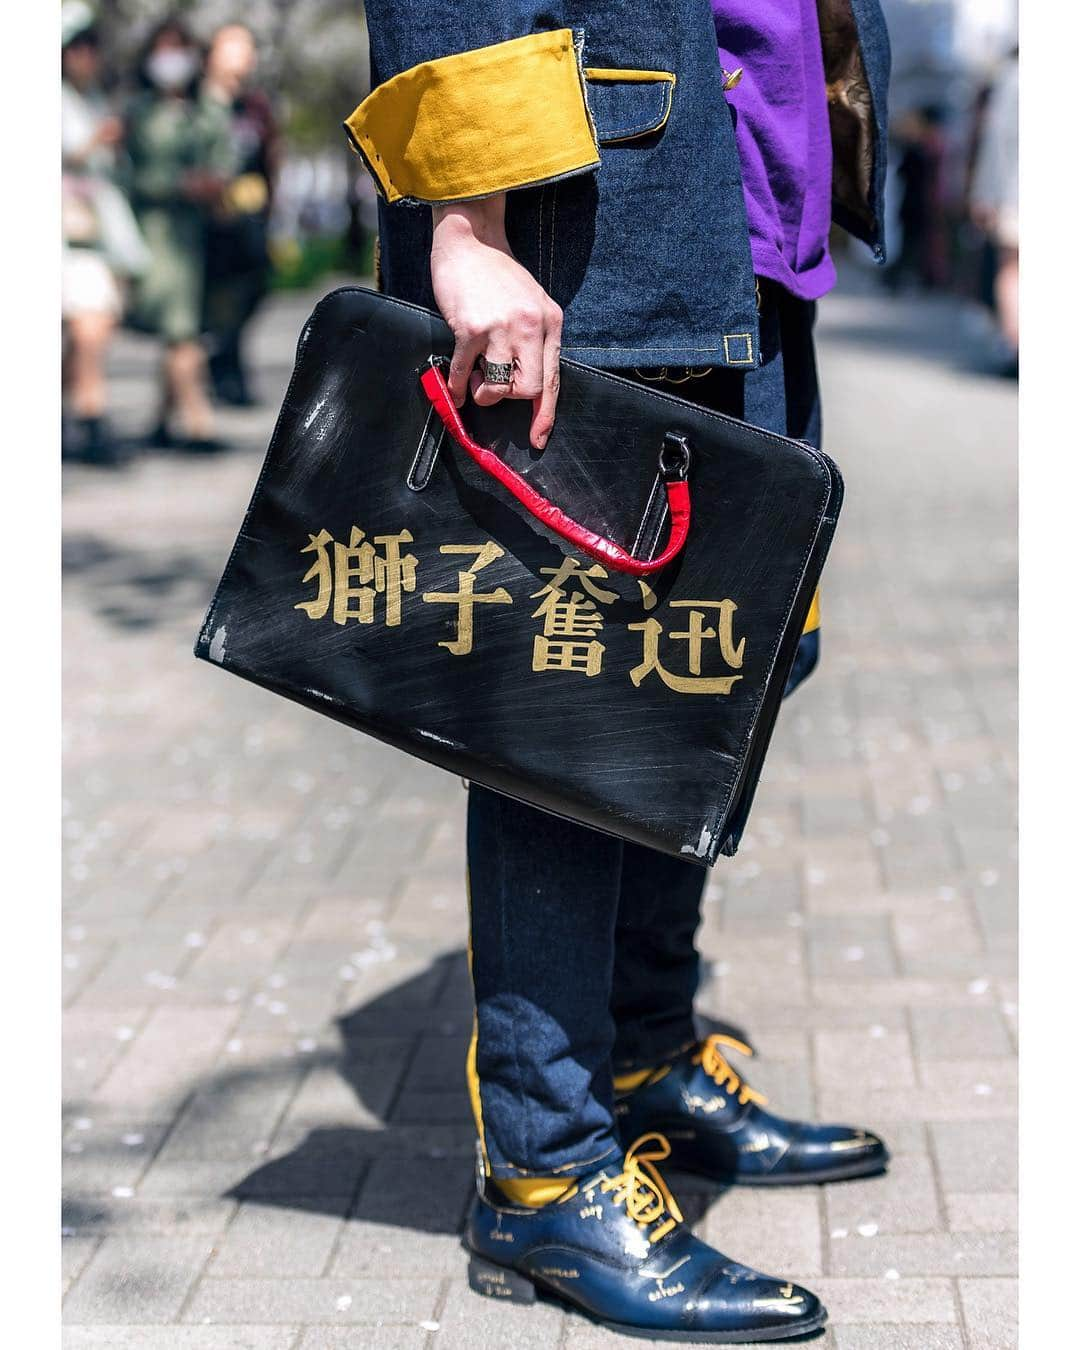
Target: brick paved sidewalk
(267,1139)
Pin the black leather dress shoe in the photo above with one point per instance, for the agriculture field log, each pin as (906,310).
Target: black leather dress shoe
(615,1248)
(718,1128)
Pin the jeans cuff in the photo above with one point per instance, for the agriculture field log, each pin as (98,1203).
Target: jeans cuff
(508,1172)
(649,1049)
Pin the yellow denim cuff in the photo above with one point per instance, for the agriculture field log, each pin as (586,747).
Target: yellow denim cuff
(478,123)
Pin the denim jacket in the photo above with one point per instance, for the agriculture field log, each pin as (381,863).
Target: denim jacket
(607,124)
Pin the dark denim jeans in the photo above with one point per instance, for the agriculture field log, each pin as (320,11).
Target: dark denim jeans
(583,957)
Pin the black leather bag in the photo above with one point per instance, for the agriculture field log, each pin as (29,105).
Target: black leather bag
(603,629)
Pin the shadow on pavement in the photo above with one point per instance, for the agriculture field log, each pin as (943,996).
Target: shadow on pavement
(417,1171)
(137,589)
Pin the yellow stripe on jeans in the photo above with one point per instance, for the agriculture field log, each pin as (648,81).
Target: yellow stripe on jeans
(813,619)
(472,1078)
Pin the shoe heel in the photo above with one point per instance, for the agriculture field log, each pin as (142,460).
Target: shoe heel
(499,1282)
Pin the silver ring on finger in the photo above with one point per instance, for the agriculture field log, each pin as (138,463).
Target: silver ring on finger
(497,372)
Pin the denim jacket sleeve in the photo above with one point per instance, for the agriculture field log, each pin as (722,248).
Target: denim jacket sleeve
(489,102)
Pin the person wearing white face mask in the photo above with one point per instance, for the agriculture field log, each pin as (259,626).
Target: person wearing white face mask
(181,162)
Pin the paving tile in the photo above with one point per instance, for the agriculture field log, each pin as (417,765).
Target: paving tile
(368,1248)
(94,1039)
(996,1078)
(75,1252)
(360,1338)
(143,1279)
(762,1014)
(923,1254)
(921,1337)
(178,1338)
(959,1033)
(954,1102)
(334,1301)
(428,1142)
(976,1155)
(430,1197)
(887,1301)
(947,932)
(873,900)
(289,1240)
(177,1215)
(904,1200)
(468,1320)
(110,1153)
(909,991)
(875,1058)
(161,1063)
(359,1095)
(219,1126)
(841,958)
(990,1313)
(988,1212)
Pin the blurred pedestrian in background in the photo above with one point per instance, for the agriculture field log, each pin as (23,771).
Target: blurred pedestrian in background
(923,256)
(181,164)
(101,241)
(238,259)
(995,200)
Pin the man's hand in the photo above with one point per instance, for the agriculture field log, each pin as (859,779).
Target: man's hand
(495,309)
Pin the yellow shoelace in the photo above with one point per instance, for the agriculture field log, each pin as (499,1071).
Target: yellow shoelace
(642,1189)
(711,1059)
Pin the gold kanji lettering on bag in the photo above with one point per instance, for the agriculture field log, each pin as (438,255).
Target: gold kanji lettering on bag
(361,571)
(466,597)
(319,572)
(695,635)
(571,622)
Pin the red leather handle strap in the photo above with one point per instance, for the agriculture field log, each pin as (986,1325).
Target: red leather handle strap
(594,545)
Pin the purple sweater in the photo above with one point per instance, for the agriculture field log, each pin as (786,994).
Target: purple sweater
(782,131)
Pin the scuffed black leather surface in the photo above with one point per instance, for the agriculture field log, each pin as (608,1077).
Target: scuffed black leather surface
(673,771)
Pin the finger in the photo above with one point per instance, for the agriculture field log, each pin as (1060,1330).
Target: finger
(544,405)
(529,367)
(498,350)
(466,350)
